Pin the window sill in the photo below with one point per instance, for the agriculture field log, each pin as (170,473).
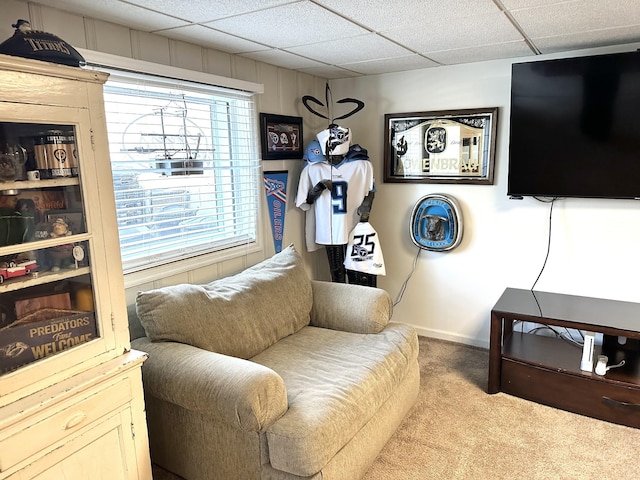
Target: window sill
(151,275)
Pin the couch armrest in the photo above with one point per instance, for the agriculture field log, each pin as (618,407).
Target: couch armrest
(350,308)
(243,393)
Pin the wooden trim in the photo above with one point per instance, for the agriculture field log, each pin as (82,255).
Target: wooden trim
(38,67)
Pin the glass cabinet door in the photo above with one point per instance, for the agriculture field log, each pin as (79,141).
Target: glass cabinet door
(47,301)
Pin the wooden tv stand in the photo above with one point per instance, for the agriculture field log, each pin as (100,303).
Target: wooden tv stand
(546,369)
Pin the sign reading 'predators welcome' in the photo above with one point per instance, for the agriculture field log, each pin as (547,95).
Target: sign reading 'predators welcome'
(27,342)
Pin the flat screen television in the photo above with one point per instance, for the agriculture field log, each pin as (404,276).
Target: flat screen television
(575,127)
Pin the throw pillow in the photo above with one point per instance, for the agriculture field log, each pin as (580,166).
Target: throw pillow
(240,315)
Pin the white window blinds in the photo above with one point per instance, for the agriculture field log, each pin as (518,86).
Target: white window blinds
(185,168)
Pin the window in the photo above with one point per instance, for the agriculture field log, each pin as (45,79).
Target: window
(185,168)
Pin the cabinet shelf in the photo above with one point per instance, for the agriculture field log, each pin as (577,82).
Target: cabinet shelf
(42,244)
(558,355)
(546,369)
(15,284)
(35,184)
(544,351)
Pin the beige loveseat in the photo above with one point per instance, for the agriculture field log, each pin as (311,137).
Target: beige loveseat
(268,375)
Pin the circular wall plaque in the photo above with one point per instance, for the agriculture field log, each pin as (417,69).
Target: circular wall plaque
(78,253)
(436,223)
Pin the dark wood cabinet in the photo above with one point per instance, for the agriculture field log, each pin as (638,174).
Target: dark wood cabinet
(546,369)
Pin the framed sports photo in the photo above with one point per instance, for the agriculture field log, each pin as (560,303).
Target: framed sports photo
(73,218)
(280,137)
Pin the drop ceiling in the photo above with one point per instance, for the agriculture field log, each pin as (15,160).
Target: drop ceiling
(346,38)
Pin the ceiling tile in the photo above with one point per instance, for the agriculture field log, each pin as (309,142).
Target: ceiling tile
(579,16)
(283,59)
(379,15)
(593,39)
(517,4)
(329,72)
(201,11)
(387,65)
(291,25)
(363,47)
(365,36)
(482,53)
(466,32)
(207,37)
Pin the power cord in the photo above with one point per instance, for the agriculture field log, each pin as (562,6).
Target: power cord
(552,201)
(404,285)
(567,335)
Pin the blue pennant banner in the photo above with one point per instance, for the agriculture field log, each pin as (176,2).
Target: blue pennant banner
(275,185)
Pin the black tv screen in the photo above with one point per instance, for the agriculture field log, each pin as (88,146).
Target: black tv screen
(575,127)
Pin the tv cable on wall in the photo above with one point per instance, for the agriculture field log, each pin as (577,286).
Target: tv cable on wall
(552,202)
(568,336)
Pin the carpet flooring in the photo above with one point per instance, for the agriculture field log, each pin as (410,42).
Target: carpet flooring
(457,431)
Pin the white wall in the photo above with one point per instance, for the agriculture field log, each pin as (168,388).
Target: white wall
(594,249)
(283,91)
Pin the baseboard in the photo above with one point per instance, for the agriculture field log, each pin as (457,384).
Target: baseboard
(451,337)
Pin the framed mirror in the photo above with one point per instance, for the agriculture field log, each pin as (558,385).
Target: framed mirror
(452,146)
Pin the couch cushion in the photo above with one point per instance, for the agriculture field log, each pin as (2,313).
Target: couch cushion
(336,381)
(239,315)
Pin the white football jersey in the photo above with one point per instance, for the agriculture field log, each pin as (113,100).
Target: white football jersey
(364,253)
(336,210)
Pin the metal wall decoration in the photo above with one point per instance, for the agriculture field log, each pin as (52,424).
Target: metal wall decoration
(436,223)
(328,104)
(280,137)
(452,146)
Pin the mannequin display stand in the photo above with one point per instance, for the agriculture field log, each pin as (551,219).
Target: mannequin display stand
(336,254)
(359,278)
(339,274)
(332,148)
(334,165)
